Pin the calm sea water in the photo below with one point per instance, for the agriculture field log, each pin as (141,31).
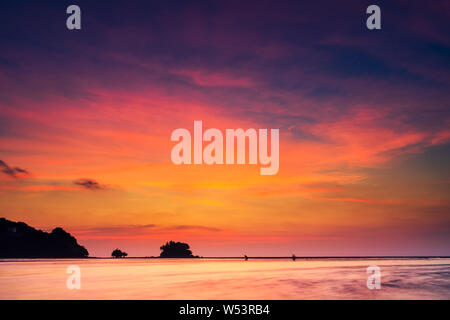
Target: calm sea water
(225,279)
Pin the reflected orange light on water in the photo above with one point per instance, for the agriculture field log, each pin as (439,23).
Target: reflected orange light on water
(225,279)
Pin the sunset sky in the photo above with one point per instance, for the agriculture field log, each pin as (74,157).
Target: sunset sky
(364,116)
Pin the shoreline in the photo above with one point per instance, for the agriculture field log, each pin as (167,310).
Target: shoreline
(242,258)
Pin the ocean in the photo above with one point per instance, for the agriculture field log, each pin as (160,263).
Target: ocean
(305,278)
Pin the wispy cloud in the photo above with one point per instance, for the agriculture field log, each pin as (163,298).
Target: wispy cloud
(143,231)
(90,184)
(13,172)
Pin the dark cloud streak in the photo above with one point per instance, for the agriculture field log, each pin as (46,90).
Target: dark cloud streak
(141,230)
(89,184)
(13,172)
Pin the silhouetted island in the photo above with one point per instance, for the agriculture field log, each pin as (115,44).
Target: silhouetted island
(176,250)
(18,240)
(118,254)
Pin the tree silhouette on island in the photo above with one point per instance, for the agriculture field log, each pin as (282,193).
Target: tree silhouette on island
(176,250)
(118,254)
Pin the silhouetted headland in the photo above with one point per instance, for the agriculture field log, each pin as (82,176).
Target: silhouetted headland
(18,240)
(176,250)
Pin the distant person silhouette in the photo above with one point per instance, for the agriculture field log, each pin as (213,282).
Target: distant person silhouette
(294,257)
(245,257)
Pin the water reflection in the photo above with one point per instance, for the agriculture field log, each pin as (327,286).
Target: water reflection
(225,279)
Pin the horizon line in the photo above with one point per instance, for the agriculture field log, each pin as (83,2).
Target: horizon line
(259,257)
